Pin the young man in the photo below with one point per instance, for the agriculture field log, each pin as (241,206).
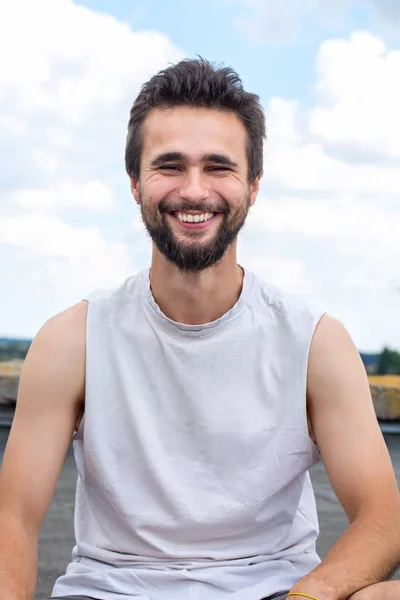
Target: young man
(206,396)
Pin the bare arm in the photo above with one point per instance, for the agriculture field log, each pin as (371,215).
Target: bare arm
(358,466)
(51,393)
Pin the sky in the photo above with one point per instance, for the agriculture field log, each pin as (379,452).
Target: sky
(326,224)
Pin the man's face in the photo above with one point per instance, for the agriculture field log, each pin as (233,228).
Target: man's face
(193,188)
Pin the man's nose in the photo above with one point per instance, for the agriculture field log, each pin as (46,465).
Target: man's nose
(193,186)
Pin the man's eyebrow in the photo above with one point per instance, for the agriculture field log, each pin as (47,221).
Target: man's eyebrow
(167,157)
(220,159)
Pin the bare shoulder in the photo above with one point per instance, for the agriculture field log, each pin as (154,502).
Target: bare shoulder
(63,332)
(334,365)
(58,349)
(330,338)
(71,323)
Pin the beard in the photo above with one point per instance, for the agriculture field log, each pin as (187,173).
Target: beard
(192,256)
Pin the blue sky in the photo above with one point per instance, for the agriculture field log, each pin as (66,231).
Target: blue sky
(210,28)
(325,225)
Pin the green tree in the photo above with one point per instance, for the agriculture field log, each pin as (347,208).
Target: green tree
(388,362)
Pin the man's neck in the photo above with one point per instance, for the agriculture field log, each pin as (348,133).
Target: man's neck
(196,298)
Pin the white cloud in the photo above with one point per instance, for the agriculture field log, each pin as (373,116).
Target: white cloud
(94,195)
(288,274)
(73,257)
(347,145)
(359,97)
(356,228)
(274,21)
(297,159)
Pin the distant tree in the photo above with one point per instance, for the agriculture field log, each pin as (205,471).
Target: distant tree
(370,361)
(388,362)
(13,349)
(383,362)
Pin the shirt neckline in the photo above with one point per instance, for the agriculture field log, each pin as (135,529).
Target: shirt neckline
(204,329)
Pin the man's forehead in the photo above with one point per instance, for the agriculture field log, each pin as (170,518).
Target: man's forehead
(183,120)
(194,132)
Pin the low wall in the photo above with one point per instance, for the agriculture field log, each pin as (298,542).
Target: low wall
(8,389)
(386,402)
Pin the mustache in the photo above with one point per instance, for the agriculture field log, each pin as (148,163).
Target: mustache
(166,206)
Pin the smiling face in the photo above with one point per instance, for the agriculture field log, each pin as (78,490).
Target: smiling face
(193,189)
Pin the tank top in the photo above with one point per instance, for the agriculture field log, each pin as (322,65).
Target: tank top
(193,452)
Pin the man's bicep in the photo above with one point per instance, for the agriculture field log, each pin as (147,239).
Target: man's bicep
(344,421)
(49,396)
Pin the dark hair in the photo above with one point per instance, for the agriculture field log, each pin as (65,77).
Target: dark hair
(197,82)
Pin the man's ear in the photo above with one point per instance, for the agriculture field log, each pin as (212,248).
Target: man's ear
(135,189)
(254,189)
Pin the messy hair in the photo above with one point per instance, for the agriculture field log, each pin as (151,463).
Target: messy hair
(197,83)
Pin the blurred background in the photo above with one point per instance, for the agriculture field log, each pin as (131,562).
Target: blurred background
(325,226)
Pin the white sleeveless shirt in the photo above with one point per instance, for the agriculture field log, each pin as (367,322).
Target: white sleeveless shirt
(193,453)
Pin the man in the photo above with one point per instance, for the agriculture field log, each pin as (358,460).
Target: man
(198,396)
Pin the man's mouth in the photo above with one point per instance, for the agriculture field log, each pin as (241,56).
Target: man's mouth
(193,217)
(194,220)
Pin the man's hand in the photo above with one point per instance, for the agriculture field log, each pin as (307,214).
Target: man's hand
(389,590)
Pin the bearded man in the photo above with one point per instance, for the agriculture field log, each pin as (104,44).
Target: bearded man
(198,396)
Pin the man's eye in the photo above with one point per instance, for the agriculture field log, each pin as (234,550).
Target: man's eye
(169,167)
(219,168)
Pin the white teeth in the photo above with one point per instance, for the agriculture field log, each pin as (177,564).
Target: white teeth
(194,218)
